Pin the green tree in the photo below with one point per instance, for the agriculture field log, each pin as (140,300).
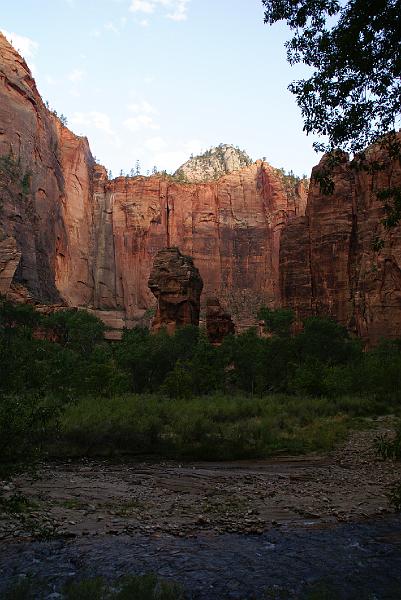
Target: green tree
(245,358)
(277,322)
(354,93)
(326,341)
(77,330)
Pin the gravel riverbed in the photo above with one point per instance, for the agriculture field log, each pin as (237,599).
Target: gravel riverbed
(225,530)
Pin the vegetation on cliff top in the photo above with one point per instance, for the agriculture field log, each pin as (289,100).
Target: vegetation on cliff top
(212,164)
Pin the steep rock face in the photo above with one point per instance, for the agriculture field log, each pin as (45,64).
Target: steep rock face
(77,249)
(177,286)
(28,137)
(41,174)
(328,262)
(230,227)
(10,257)
(218,322)
(70,235)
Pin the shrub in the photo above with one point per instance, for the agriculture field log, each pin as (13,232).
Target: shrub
(87,589)
(326,341)
(389,448)
(134,587)
(25,421)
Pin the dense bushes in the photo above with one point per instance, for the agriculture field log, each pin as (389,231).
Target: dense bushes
(130,587)
(54,365)
(79,362)
(217,427)
(322,360)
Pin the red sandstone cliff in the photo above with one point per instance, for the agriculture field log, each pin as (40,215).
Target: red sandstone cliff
(68,234)
(230,227)
(328,261)
(78,237)
(46,177)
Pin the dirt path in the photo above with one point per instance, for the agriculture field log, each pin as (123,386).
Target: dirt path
(125,511)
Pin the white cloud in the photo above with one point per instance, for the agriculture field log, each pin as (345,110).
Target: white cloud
(178,154)
(117,25)
(179,11)
(170,160)
(142,6)
(140,122)
(176,10)
(155,144)
(144,22)
(193,146)
(26,46)
(95,119)
(142,107)
(76,75)
(111,27)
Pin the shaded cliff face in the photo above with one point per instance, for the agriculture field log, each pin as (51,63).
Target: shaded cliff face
(69,234)
(42,176)
(328,263)
(29,213)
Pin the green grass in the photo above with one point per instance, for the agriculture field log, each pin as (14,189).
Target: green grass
(211,428)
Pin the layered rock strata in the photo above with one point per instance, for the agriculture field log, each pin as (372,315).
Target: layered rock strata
(330,261)
(177,286)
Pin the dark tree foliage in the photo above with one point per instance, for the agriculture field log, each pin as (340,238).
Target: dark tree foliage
(354,48)
(277,322)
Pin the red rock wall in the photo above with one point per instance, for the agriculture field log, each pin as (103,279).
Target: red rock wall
(29,136)
(76,237)
(230,227)
(72,235)
(328,264)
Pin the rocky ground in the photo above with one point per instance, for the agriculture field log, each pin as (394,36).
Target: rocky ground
(235,512)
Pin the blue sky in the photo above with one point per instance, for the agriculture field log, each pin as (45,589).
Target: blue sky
(157,80)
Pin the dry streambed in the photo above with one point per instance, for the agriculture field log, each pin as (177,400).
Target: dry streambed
(224,530)
(88,498)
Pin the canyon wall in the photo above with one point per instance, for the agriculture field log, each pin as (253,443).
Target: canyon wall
(69,235)
(230,227)
(339,259)
(45,193)
(75,237)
